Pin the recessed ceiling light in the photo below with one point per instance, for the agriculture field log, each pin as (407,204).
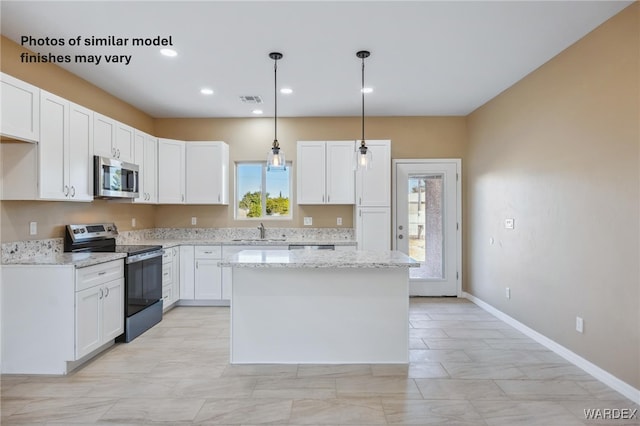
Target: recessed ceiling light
(367,89)
(286,91)
(169,52)
(257,111)
(206,91)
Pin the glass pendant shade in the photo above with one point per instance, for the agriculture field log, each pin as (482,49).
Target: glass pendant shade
(275,159)
(363,157)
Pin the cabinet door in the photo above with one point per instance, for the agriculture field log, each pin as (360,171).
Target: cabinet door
(88,320)
(373,228)
(310,169)
(151,168)
(80,158)
(104,131)
(373,186)
(124,142)
(340,172)
(208,284)
(113,310)
(204,173)
(53,147)
(171,163)
(187,261)
(20,109)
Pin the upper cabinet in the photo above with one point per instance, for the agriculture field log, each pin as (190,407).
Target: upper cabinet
(113,139)
(325,172)
(65,150)
(58,167)
(146,157)
(207,172)
(373,185)
(171,167)
(20,109)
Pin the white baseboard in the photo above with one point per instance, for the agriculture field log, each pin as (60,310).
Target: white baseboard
(607,378)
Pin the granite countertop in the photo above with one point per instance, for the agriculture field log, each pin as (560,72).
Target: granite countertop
(79,260)
(167,243)
(319,259)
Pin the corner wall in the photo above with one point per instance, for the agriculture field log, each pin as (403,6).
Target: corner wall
(559,152)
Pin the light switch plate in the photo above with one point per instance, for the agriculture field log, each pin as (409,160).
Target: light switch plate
(33,228)
(308,221)
(194,220)
(339,221)
(509,223)
(133,222)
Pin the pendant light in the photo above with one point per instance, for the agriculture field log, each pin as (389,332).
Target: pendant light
(275,159)
(363,154)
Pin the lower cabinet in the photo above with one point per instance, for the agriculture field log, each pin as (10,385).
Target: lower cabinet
(200,275)
(170,277)
(79,312)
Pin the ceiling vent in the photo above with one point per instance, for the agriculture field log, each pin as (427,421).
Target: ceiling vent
(251,99)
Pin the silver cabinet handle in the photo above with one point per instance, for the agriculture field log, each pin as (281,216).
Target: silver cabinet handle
(196,264)
(102,273)
(113,152)
(118,152)
(66,191)
(328,198)
(323,198)
(218,197)
(183,198)
(101,294)
(73,191)
(107,292)
(360,201)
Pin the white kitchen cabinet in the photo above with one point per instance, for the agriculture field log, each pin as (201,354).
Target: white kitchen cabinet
(113,139)
(146,157)
(187,278)
(207,172)
(65,150)
(373,228)
(20,109)
(325,172)
(73,314)
(373,185)
(170,277)
(59,167)
(200,281)
(171,171)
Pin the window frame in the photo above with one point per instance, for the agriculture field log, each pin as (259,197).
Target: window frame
(263,192)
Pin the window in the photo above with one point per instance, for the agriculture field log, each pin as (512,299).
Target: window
(262,194)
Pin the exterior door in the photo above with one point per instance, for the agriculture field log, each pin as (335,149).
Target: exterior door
(427,224)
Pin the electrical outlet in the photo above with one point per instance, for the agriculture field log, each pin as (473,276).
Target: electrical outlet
(509,223)
(339,221)
(194,220)
(133,222)
(579,324)
(33,228)
(308,221)
(507,292)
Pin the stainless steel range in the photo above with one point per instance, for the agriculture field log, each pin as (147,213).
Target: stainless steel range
(143,273)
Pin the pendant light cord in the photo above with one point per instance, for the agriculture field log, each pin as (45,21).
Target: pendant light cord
(275,95)
(362,90)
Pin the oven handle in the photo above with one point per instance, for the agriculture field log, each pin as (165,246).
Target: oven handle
(144,256)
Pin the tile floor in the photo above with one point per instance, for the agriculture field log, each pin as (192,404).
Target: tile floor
(467,368)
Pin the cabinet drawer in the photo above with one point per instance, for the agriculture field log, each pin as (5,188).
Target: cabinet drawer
(99,274)
(208,252)
(167,274)
(167,257)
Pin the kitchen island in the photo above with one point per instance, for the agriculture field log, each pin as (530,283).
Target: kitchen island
(320,307)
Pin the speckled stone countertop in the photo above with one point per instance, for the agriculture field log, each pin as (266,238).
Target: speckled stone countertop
(79,260)
(319,259)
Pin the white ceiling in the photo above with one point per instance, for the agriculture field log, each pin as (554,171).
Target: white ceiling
(427,57)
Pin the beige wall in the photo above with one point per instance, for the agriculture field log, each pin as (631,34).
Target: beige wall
(250,139)
(559,152)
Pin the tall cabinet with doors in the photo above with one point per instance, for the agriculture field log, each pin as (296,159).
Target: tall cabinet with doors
(372,219)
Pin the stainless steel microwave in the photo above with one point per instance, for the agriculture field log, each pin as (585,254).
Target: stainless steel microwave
(114,178)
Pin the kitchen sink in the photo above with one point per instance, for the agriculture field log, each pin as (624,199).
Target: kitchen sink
(259,239)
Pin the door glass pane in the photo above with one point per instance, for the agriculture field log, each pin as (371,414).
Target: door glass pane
(426,235)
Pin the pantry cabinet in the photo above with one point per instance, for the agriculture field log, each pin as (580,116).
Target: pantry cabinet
(325,172)
(207,172)
(146,157)
(64,150)
(113,139)
(20,109)
(171,171)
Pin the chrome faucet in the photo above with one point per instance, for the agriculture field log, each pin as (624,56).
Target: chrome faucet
(261,229)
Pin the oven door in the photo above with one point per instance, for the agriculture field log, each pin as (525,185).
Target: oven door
(143,281)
